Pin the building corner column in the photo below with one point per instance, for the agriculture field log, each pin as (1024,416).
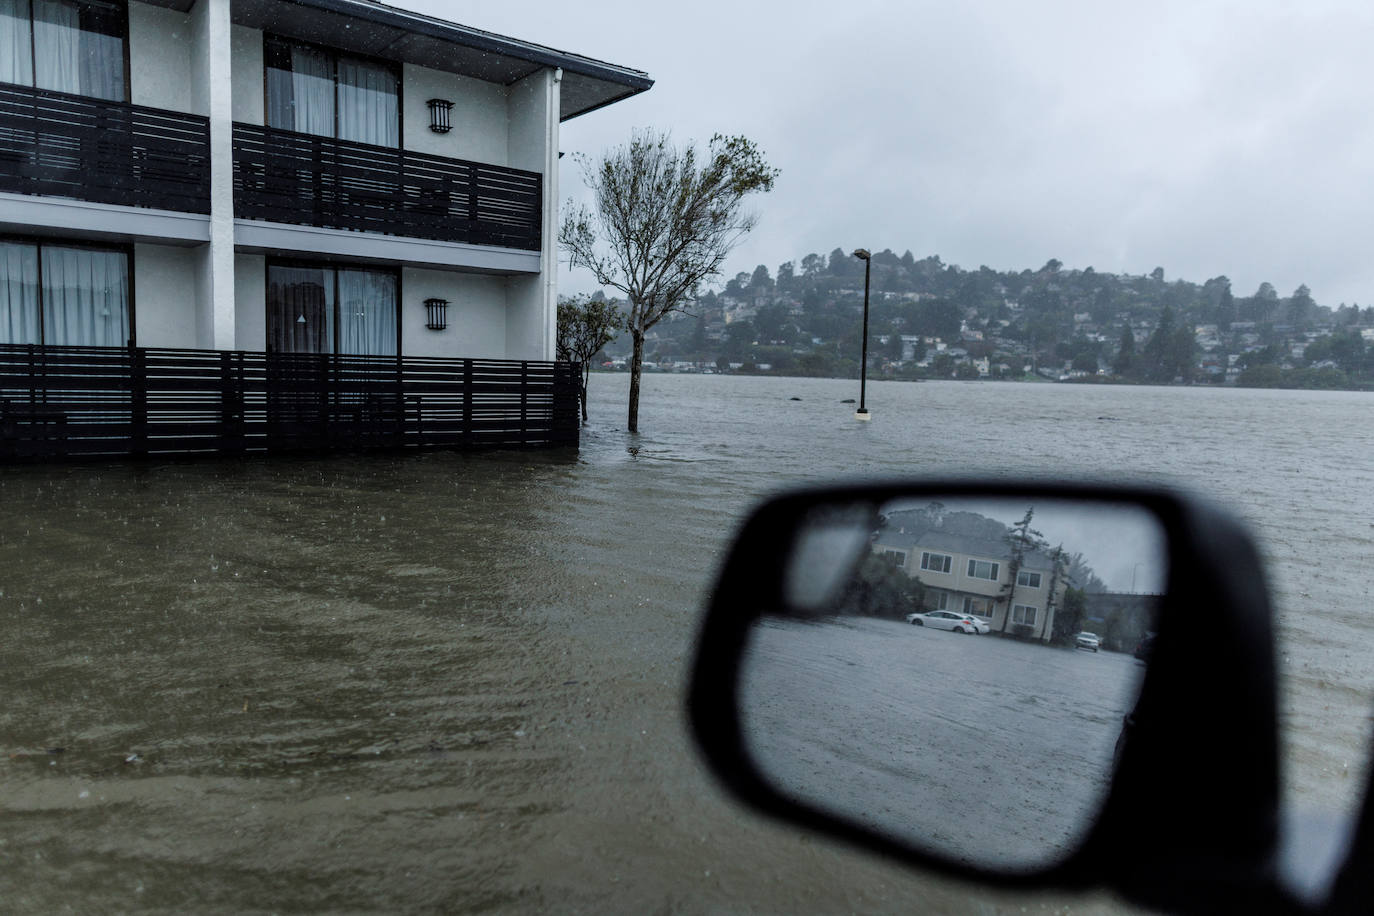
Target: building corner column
(216,319)
(549,255)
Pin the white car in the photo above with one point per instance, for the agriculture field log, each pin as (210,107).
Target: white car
(1086,640)
(948,620)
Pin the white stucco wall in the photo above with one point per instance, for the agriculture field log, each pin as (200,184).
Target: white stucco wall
(247,77)
(476,314)
(250,301)
(531,319)
(165,307)
(161,73)
(478,117)
(527,113)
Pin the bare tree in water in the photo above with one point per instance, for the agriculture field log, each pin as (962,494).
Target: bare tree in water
(662,224)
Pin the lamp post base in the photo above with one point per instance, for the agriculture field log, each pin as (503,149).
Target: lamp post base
(862,414)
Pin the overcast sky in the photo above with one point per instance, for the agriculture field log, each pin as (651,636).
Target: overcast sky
(1207,138)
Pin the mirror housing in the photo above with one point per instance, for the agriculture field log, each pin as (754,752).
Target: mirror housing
(1190,821)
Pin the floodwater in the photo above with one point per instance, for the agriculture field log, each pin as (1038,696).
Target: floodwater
(448,682)
(897,727)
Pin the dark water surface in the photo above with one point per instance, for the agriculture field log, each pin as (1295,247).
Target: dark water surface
(449,682)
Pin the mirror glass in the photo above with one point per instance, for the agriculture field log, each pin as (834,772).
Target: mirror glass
(956,672)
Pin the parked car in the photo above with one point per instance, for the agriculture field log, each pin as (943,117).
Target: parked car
(1144,647)
(1086,640)
(948,620)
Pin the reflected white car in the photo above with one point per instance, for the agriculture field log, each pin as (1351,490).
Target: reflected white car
(948,620)
(1086,640)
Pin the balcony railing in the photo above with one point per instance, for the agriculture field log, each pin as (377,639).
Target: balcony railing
(287,177)
(73,402)
(60,145)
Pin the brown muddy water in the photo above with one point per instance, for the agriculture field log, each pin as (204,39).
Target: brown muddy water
(453,683)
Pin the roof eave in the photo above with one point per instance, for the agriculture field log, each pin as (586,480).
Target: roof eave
(636,80)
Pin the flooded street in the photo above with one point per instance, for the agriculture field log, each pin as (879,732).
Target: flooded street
(898,726)
(449,682)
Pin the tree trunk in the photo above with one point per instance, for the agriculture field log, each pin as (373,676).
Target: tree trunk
(1011,593)
(586,380)
(636,364)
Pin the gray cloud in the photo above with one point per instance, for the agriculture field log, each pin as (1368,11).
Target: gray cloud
(1219,138)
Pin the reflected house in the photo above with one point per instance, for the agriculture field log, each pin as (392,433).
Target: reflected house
(310,178)
(964,562)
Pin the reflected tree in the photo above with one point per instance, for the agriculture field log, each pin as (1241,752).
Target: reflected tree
(1021,540)
(879,588)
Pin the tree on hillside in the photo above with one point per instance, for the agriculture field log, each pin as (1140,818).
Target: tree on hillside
(584,327)
(1301,306)
(1156,361)
(663,224)
(1125,353)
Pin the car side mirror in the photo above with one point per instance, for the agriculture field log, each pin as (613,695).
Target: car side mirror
(1027,685)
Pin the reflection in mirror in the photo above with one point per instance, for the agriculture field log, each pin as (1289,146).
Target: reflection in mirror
(956,673)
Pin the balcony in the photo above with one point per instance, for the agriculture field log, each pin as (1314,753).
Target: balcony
(282,176)
(54,144)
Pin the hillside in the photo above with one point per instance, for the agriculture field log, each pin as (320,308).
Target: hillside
(929,319)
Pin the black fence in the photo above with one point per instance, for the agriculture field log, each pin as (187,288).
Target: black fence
(71,402)
(287,177)
(61,145)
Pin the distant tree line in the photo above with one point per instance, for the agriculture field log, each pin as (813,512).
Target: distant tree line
(805,319)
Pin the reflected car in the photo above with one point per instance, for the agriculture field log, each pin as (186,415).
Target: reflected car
(1144,647)
(948,620)
(1086,640)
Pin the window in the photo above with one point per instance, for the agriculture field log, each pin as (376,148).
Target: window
(1023,613)
(64,295)
(1028,579)
(982,607)
(318,309)
(936,562)
(938,601)
(895,557)
(981,569)
(318,91)
(65,45)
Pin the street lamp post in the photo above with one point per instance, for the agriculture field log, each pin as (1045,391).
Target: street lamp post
(862,413)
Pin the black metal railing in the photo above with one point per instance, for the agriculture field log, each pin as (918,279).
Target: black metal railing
(71,402)
(283,176)
(61,145)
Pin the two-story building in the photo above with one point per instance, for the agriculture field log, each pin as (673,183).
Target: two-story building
(281,176)
(964,562)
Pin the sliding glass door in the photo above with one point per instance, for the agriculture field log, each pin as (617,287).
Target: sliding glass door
(322,309)
(64,295)
(65,45)
(315,90)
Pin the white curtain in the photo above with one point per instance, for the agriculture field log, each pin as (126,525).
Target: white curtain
(57,45)
(70,59)
(16,46)
(367,312)
(302,99)
(312,90)
(19,293)
(85,297)
(368,110)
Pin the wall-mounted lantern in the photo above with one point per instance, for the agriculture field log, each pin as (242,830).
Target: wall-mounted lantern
(436,314)
(439,115)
